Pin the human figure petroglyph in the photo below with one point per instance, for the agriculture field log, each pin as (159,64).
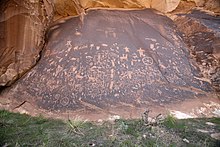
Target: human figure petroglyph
(68,44)
(141,52)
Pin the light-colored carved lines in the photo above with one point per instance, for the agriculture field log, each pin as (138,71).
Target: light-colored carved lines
(127,50)
(64,101)
(147,60)
(109,32)
(141,52)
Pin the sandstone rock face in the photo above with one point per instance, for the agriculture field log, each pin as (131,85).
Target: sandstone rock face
(66,7)
(111,58)
(213,5)
(164,5)
(202,34)
(22,27)
(74,7)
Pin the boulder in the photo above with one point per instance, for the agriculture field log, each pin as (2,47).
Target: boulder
(164,5)
(111,58)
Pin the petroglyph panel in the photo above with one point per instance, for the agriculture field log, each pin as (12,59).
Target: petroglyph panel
(112,57)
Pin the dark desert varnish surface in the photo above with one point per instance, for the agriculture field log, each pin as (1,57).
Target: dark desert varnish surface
(112,58)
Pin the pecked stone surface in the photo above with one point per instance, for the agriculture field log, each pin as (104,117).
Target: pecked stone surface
(110,58)
(22,28)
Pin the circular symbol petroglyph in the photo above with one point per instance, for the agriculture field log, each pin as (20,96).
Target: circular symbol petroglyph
(64,101)
(57,97)
(147,60)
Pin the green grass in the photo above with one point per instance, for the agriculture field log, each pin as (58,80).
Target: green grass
(23,130)
(188,128)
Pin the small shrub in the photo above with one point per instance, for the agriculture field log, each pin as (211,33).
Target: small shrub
(170,121)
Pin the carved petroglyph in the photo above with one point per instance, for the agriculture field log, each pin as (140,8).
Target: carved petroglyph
(141,52)
(147,60)
(64,101)
(127,50)
(109,32)
(68,44)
